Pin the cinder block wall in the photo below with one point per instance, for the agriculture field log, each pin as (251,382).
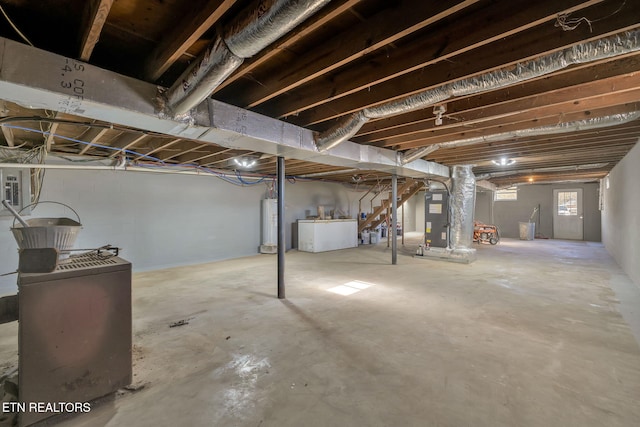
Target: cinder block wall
(621,214)
(507,214)
(163,220)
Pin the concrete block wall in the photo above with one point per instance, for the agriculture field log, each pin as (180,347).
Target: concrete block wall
(163,220)
(621,214)
(508,214)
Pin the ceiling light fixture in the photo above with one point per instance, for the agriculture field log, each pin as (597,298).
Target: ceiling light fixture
(503,162)
(245,162)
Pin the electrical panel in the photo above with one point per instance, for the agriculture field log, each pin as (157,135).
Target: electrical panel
(16,189)
(436,208)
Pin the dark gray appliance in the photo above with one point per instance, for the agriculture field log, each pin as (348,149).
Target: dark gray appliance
(436,210)
(74,332)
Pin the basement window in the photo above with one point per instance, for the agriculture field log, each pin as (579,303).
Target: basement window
(510,194)
(568,203)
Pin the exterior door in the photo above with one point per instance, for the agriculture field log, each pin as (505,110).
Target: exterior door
(567,214)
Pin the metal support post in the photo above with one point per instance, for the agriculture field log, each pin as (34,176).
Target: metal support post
(281,235)
(394,219)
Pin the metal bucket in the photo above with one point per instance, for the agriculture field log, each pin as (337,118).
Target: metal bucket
(59,233)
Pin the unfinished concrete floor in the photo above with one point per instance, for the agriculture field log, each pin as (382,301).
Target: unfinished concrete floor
(529,335)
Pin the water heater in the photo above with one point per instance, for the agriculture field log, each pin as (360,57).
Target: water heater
(269,226)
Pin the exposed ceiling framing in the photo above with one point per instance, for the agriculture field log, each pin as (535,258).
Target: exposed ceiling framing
(351,55)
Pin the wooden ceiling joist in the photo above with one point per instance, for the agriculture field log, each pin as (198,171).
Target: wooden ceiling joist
(572,79)
(471,32)
(187,31)
(375,33)
(522,47)
(96,13)
(329,12)
(350,55)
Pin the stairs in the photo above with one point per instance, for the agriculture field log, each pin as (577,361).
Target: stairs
(379,214)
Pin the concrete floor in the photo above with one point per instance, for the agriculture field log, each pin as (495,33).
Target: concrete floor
(531,334)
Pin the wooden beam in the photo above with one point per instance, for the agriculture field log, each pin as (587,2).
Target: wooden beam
(526,123)
(159,148)
(199,156)
(574,77)
(593,95)
(589,139)
(524,46)
(92,136)
(49,139)
(321,18)
(384,28)
(7,132)
(525,153)
(240,153)
(126,141)
(96,12)
(461,36)
(183,152)
(8,136)
(187,31)
(486,26)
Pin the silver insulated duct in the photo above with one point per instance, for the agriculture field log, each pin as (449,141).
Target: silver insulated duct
(259,26)
(579,125)
(204,75)
(341,132)
(463,201)
(608,47)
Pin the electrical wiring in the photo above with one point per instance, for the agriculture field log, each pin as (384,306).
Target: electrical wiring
(14,27)
(248,183)
(240,181)
(107,147)
(71,122)
(39,154)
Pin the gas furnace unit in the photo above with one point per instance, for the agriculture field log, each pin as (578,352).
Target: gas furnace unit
(436,208)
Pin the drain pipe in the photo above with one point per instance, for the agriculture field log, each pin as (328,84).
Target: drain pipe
(259,26)
(608,47)
(463,194)
(580,125)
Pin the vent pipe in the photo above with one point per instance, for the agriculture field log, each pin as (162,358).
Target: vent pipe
(463,202)
(262,24)
(607,47)
(579,125)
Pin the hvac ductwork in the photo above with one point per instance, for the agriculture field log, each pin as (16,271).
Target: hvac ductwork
(199,80)
(341,132)
(608,47)
(265,22)
(579,125)
(414,102)
(541,170)
(463,202)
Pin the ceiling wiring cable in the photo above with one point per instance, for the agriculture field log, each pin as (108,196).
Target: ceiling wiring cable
(14,27)
(157,163)
(110,126)
(107,147)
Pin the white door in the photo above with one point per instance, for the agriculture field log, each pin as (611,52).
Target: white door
(567,214)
